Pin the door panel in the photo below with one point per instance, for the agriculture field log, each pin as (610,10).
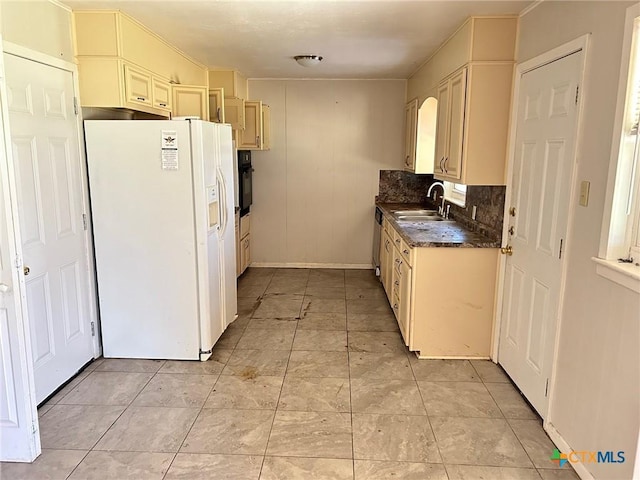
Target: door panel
(541,185)
(457,92)
(48,172)
(18,416)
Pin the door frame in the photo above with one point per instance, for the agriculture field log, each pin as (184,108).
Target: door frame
(35,56)
(579,44)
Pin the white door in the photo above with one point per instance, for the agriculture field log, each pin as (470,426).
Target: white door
(19,437)
(47,160)
(541,184)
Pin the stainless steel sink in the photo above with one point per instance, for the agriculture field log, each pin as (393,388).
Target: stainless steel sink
(415,213)
(420,218)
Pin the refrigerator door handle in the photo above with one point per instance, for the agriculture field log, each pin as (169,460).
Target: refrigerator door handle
(223,201)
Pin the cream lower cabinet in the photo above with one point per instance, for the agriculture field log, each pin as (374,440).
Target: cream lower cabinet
(244,245)
(442,298)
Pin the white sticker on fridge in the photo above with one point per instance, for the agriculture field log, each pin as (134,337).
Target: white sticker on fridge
(169,150)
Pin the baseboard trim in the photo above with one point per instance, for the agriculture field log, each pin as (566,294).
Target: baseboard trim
(450,357)
(346,266)
(564,447)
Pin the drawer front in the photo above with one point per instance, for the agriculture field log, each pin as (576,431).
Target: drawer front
(397,239)
(395,306)
(385,225)
(245,225)
(406,251)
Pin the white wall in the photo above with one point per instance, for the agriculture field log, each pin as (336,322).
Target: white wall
(314,191)
(596,404)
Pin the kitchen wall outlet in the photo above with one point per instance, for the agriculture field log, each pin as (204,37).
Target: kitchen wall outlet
(474,210)
(584,193)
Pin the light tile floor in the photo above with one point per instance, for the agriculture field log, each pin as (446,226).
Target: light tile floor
(311,382)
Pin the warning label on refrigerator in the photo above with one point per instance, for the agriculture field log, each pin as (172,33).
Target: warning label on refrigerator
(169,150)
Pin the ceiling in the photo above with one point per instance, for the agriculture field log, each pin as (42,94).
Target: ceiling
(358,39)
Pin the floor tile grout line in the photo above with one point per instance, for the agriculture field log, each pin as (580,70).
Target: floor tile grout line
(275,411)
(353,440)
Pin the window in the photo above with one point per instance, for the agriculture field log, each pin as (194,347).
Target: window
(619,256)
(455,193)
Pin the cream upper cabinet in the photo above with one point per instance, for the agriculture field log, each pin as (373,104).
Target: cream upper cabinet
(266,127)
(470,75)
(161,94)
(473,123)
(123,64)
(137,85)
(111,82)
(190,100)
(234,91)
(232,81)
(216,105)
(234,112)
(251,137)
(450,126)
(410,132)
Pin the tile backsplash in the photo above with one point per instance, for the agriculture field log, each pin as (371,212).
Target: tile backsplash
(398,186)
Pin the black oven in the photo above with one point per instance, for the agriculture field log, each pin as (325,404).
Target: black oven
(245,172)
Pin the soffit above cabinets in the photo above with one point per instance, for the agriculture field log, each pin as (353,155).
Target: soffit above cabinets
(358,39)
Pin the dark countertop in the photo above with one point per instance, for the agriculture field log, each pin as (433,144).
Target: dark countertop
(434,234)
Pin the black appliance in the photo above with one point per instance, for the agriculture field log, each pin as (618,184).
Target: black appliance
(245,172)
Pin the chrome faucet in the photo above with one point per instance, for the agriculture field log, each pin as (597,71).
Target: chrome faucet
(441,207)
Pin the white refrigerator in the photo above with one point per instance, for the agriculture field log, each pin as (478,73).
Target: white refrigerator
(162,204)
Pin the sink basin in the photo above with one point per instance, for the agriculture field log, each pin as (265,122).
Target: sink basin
(416,213)
(420,218)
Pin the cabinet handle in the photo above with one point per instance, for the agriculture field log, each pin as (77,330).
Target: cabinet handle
(396,283)
(258,140)
(398,241)
(445,165)
(405,251)
(218,114)
(441,167)
(142,99)
(395,306)
(162,104)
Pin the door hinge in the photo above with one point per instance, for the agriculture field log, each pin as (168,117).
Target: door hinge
(577,92)
(34,428)
(93,329)
(546,388)
(560,253)
(75,105)
(84,221)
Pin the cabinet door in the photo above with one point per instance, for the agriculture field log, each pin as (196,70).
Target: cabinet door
(245,252)
(457,96)
(238,262)
(388,265)
(442,128)
(411,123)
(216,105)
(404,316)
(266,127)
(137,85)
(251,137)
(190,101)
(161,94)
(234,112)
